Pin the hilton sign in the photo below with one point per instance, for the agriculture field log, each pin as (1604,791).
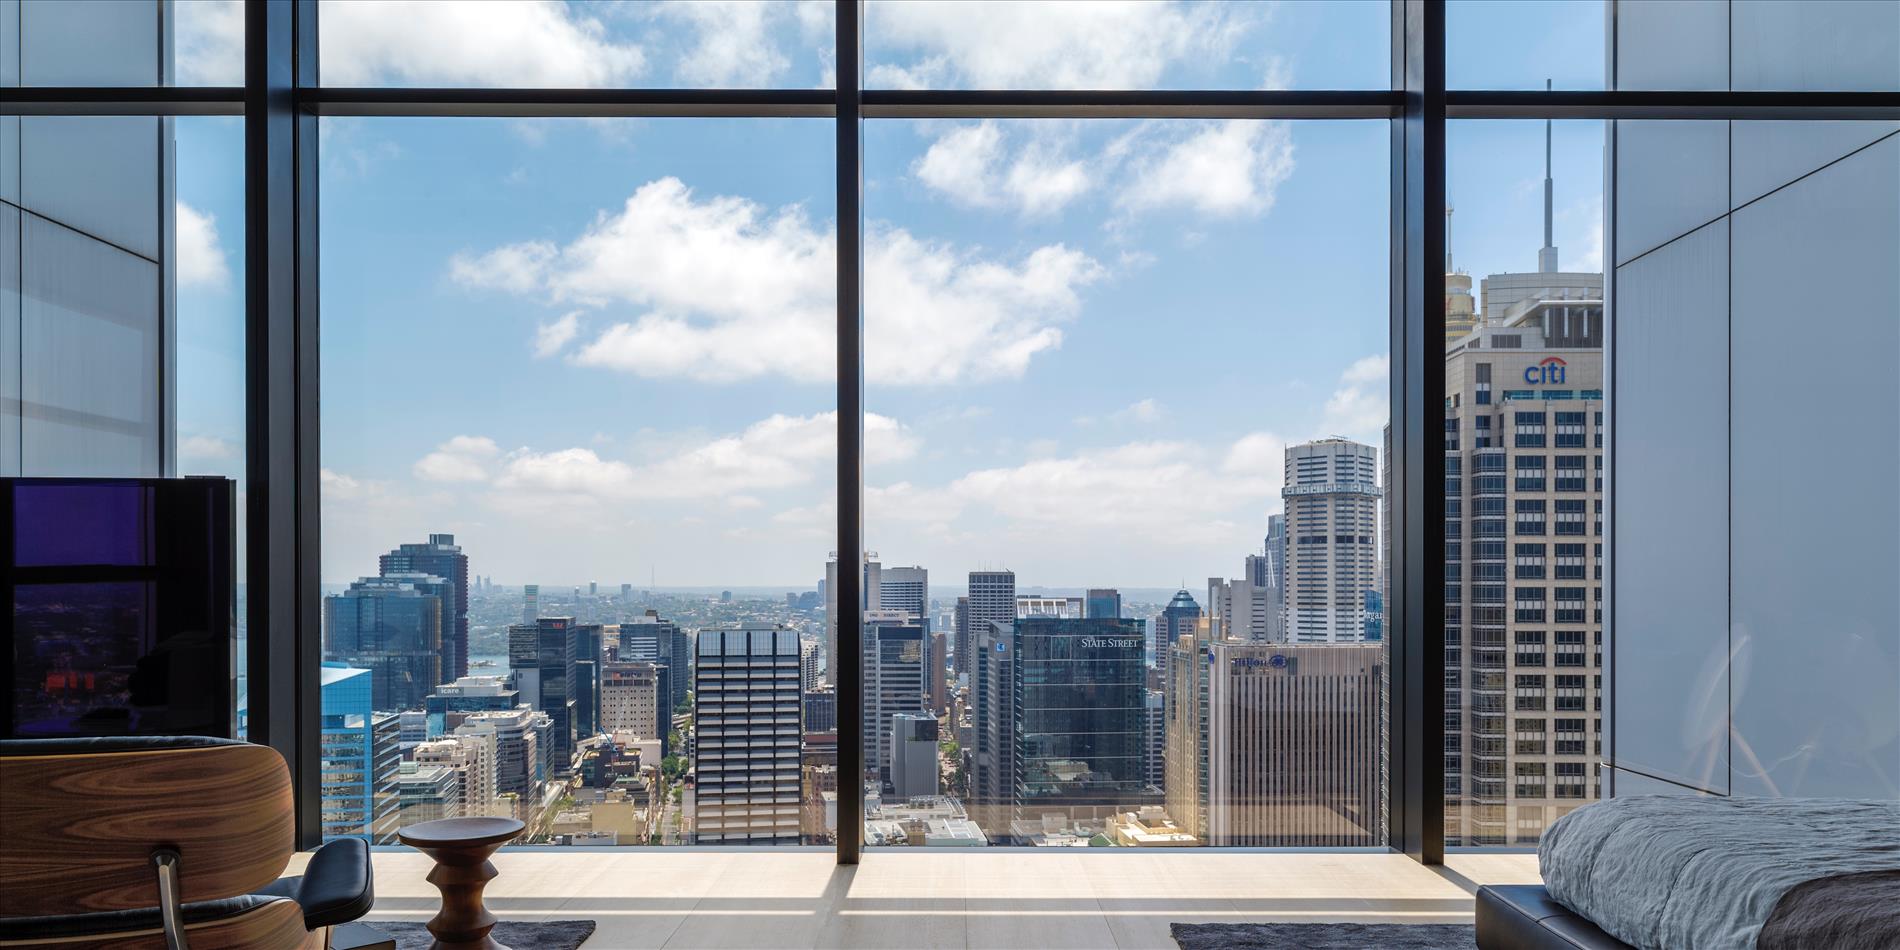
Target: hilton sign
(1123,642)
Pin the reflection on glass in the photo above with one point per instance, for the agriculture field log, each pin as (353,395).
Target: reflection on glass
(578,442)
(1112,356)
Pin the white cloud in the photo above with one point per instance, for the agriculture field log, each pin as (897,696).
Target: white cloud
(731,290)
(516,267)
(1224,168)
(1146,410)
(969,164)
(1160,492)
(1073,45)
(206,448)
(774,453)
(1359,405)
(550,338)
(200,254)
(460,459)
(210,42)
(732,42)
(536,43)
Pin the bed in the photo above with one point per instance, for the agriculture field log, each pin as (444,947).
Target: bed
(1688,873)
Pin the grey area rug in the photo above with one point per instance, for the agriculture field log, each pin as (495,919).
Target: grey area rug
(516,934)
(1325,936)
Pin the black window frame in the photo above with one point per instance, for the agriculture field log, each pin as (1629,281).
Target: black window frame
(281,101)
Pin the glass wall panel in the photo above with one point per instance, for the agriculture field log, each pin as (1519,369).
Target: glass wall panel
(1166,44)
(1132,383)
(122,356)
(578,457)
(1525,417)
(770,44)
(122,43)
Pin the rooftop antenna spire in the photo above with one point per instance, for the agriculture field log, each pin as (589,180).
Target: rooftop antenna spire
(1448,213)
(1547,257)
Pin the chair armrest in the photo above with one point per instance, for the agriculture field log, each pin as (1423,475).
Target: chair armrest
(336,887)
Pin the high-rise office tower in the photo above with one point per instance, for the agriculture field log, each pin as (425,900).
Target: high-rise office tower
(530,603)
(1182,616)
(1523,552)
(912,756)
(895,678)
(746,701)
(519,738)
(391,626)
(1293,745)
(963,650)
(810,665)
(443,558)
(630,700)
(1220,607)
(543,656)
(906,589)
(821,709)
(871,598)
(1156,723)
(654,639)
(363,746)
(992,599)
(1081,710)
(428,792)
(992,697)
(1332,517)
(449,703)
(1185,773)
(1102,602)
(588,658)
(472,758)
(935,675)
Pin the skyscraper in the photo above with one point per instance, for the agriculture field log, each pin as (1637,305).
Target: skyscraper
(871,597)
(392,627)
(963,650)
(363,747)
(992,599)
(588,657)
(895,677)
(530,603)
(746,710)
(519,738)
(443,558)
(993,721)
(935,674)
(543,656)
(1102,602)
(906,589)
(1523,552)
(1182,616)
(630,700)
(1081,718)
(1293,745)
(655,639)
(1332,512)
(912,756)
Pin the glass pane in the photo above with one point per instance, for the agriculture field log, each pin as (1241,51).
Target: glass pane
(1525,419)
(1491,45)
(578,444)
(121,295)
(122,43)
(771,44)
(1124,356)
(1194,44)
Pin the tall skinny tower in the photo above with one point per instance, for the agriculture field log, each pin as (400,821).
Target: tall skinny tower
(1547,255)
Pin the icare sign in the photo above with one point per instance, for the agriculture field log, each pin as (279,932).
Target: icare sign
(1549,371)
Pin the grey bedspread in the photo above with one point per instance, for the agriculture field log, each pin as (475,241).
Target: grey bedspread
(1687,873)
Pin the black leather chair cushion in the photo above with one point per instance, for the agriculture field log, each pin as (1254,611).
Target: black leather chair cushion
(100,745)
(1523,917)
(335,887)
(124,921)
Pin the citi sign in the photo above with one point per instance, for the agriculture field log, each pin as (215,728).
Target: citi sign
(1548,372)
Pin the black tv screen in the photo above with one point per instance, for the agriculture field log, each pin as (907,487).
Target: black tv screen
(122,607)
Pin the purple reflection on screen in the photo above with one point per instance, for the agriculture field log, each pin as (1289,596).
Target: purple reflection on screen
(97,523)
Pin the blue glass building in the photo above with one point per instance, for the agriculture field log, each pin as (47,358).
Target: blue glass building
(361,759)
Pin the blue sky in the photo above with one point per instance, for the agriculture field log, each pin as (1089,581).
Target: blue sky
(599,349)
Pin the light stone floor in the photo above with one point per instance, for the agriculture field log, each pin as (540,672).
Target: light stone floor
(915,898)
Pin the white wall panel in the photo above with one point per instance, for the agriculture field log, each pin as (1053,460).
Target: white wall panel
(1816,45)
(1671,178)
(89,43)
(1670,505)
(1771,154)
(1816,478)
(1671,44)
(97,174)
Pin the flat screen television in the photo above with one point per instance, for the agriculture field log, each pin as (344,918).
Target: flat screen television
(121,606)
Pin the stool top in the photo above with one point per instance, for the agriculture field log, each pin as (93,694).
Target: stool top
(462,831)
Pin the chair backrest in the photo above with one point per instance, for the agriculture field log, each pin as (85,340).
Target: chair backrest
(80,818)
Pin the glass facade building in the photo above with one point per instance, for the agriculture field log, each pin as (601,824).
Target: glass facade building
(362,760)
